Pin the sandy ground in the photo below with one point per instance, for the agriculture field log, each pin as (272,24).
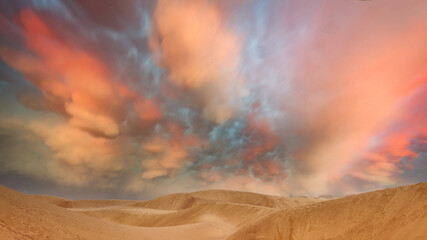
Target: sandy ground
(397,213)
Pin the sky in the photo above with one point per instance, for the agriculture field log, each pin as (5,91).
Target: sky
(137,99)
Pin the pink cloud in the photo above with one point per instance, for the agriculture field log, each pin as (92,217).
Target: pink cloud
(75,83)
(191,40)
(170,153)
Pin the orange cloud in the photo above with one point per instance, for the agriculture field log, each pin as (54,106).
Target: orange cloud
(191,40)
(350,95)
(82,158)
(168,154)
(74,82)
(74,157)
(148,110)
(331,95)
(79,86)
(393,151)
(262,140)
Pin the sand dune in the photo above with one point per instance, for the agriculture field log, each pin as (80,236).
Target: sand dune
(66,203)
(397,213)
(186,200)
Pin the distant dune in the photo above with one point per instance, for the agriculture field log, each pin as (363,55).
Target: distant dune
(396,213)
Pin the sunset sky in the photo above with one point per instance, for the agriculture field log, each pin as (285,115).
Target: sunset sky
(136,99)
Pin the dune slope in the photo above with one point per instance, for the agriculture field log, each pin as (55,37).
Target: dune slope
(27,217)
(396,213)
(180,201)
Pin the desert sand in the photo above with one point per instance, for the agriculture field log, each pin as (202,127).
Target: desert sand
(395,213)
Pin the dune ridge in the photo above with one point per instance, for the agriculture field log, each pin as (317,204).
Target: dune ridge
(179,201)
(395,213)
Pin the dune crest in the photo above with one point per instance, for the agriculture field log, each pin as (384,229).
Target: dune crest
(395,213)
